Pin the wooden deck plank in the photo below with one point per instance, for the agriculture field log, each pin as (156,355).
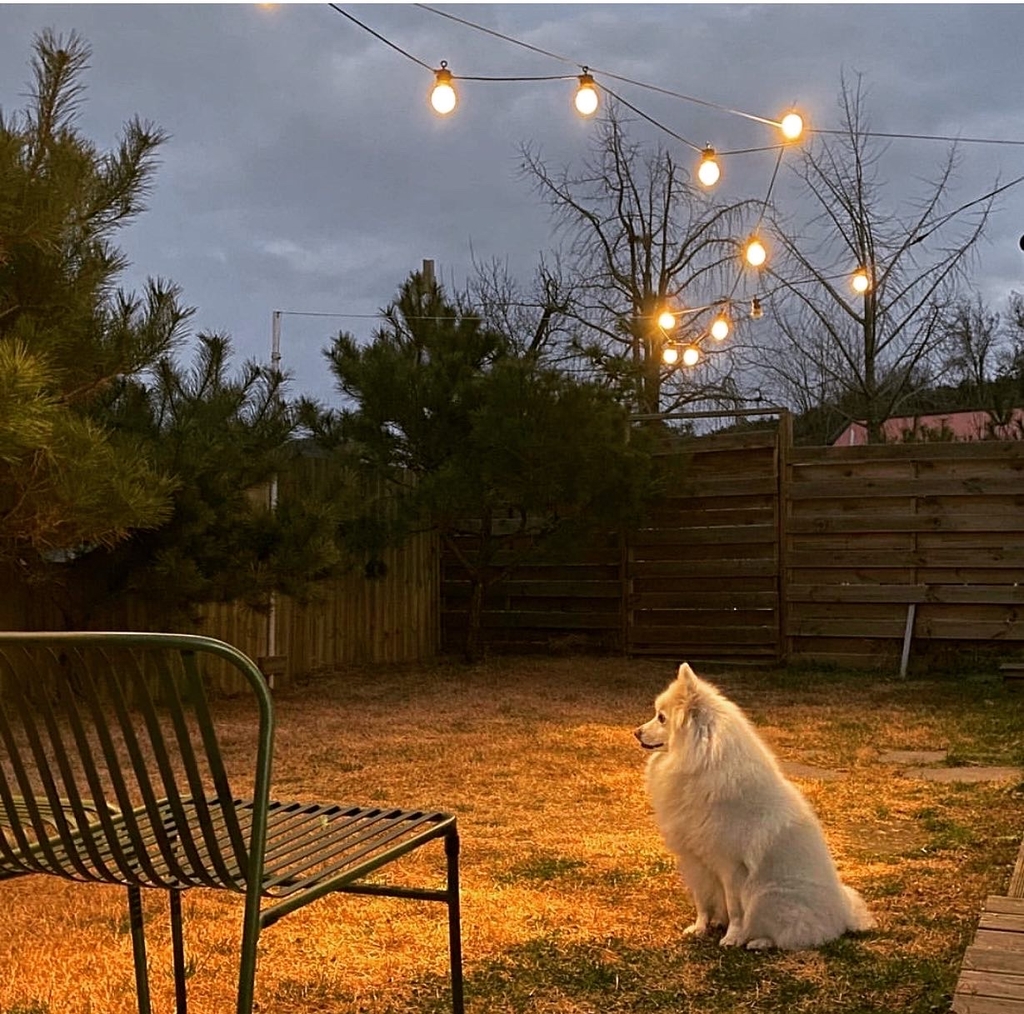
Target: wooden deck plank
(1000,903)
(1012,922)
(992,984)
(999,940)
(991,977)
(994,959)
(985,1005)
(1016,888)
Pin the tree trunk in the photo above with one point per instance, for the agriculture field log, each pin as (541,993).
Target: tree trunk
(474,617)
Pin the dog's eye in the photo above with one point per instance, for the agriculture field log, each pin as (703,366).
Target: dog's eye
(661,717)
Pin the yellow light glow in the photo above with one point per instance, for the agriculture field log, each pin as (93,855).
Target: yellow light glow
(666,320)
(792,126)
(860,281)
(670,355)
(755,253)
(443,97)
(708,172)
(691,355)
(720,328)
(756,312)
(586,96)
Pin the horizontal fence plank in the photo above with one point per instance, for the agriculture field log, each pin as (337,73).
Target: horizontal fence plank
(906,522)
(720,536)
(983,450)
(859,486)
(1008,594)
(992,557)
(535,588)
(738,599)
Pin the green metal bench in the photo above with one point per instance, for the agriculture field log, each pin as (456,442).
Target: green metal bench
(111,772)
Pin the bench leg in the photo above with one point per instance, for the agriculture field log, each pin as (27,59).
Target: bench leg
(451,850)
(138,931)
(178,948)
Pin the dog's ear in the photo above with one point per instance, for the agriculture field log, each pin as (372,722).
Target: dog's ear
(686,675)
(695,716)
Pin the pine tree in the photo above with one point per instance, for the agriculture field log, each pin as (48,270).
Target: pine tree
(474,439)
(66,334)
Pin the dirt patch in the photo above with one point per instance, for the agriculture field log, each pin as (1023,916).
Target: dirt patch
(912,757)
(965,774)
(794,769)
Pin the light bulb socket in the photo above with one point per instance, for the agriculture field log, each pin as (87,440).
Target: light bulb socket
(756,310)
(443,76)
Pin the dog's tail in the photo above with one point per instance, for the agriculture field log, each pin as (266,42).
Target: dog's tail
(858,918)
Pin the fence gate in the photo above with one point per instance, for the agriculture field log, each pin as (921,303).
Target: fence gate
(702,580)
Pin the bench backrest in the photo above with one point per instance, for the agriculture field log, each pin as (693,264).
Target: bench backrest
(110,763)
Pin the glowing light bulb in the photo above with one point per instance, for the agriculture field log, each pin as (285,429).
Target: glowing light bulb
(670,355)
(708,172)
(666,320)
(860,281)
(792,126)
(443,97)
(720,327)
(755,253)
(691,355)
(586,95)
(756,311)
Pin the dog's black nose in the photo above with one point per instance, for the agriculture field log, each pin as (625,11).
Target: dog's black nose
(636,732)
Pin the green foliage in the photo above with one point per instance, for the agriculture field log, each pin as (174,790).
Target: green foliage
(65,334)
(474,437)
(226,440)
(121,472)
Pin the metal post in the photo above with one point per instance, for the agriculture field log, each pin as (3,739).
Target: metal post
(275,363)
(275,340)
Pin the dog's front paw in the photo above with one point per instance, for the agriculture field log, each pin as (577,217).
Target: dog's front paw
(731,939)
(696,929)
(760,944)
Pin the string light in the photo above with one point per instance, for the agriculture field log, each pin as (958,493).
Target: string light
(708,172)
(755,252)
(443,97)
(792,126)
(586,101)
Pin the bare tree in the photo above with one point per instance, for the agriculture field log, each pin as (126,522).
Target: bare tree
(865,352)
(641,238)
(973,342)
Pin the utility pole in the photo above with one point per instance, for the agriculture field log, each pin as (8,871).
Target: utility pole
(275,340)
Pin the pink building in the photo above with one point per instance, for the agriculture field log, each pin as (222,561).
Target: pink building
(959,426)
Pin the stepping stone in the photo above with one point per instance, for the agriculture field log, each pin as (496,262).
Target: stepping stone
(913,756)
(965,774)
(794,769)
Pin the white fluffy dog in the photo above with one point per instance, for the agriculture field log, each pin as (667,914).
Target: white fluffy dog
(748,844)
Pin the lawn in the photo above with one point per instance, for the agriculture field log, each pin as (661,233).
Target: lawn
(570,903)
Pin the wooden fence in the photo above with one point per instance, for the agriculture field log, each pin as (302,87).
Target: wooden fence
(353,619)
(699,579)
(759,551)
(769,552)
(918,540)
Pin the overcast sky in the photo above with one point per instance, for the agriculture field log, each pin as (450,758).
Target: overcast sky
(305,171)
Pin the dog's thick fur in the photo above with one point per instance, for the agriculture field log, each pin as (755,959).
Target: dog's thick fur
(748,844)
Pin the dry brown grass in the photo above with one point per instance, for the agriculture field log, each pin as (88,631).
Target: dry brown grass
(570,903)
